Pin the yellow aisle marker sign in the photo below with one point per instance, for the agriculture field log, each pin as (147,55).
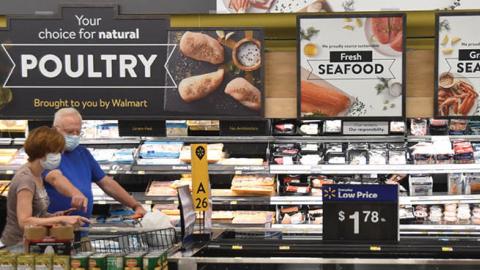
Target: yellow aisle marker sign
(200,180)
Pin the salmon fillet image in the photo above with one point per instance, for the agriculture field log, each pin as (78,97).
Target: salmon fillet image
(323,100)
(388,30)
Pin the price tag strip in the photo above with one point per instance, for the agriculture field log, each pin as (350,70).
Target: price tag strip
(364,213)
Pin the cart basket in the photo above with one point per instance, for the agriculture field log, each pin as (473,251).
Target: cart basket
(128,242)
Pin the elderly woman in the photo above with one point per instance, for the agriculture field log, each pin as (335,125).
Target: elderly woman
(27,201)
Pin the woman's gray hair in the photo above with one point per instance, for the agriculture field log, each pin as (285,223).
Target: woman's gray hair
(65,112)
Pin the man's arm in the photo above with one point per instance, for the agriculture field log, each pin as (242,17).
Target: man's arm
(64,187)
(114,190)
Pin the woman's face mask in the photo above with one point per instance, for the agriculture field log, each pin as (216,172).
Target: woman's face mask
(51,161)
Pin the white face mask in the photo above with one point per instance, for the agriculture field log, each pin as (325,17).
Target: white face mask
(51,161)
(71,142)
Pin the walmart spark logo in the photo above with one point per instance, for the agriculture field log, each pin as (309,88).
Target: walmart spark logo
(330,193)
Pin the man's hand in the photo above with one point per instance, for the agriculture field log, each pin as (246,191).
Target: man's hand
(80,202)
(139,211)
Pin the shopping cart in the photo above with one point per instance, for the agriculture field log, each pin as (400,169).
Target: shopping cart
(129,240)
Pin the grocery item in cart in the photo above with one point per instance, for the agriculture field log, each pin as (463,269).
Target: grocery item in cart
(97,261)
(26,262)
(134,261)
(115,261)
(79,261)
(62,262)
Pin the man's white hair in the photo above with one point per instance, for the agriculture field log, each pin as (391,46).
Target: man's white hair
(60,114)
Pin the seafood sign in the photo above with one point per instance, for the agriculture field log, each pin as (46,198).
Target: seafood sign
(458,65)
(351,66)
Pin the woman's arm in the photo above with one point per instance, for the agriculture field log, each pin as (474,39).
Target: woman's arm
(24,213)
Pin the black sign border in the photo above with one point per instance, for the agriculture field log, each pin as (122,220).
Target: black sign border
(404,65)
(436,113)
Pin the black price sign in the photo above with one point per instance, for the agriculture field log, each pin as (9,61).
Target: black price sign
(362,213)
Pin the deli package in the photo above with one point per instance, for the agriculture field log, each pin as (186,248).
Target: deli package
(457,77)
(351,67)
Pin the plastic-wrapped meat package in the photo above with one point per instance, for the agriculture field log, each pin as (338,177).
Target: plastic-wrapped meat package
(156,149)
(418,127)
(377,157)
(124,155)
(107,130)
(438,127)
(457,127)
(291,215)
(310,159)
(310,127)
(286,127)
(161,188)
(463,152)
(397,127)
(332,126)
(420,185)
(103,155)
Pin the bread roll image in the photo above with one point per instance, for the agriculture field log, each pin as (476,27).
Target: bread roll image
(199,86)
(201,47)
(245,93)
(323,99)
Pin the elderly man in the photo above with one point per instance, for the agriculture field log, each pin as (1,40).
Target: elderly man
(81,169)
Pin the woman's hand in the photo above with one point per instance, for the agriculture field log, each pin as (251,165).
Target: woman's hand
(240,6)
(74,220)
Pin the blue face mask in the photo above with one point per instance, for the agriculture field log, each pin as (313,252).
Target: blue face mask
(51,161)
(71,142)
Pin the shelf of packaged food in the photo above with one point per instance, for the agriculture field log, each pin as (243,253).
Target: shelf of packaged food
(18,141)
(217,200)
(439,229)
(440,199)
(224,199)
(214,139)
(405,229)
(339,138)
(452,137)
(212,168)
(9,169)
(375,169)
(108,141)
(296,200)
(5,141)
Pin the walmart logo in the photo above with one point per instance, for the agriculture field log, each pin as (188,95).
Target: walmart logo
(330,193)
